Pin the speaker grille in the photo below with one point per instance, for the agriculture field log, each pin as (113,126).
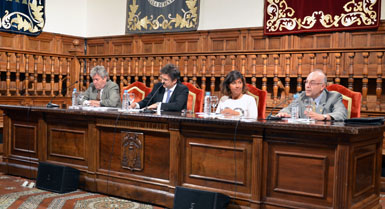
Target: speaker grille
(57,178)
(186,198)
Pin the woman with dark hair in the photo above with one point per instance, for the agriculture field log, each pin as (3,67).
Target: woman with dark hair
(235,100)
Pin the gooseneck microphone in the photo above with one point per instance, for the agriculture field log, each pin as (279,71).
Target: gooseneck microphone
(52,105)
(146,110)
(270,116)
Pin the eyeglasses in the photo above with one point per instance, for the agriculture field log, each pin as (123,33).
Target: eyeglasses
(311,83)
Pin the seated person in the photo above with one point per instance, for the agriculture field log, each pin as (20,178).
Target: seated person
(328,105)
(102,92)
(168,95)
(236,102)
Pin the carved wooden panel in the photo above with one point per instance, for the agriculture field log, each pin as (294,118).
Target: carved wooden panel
(301,174)
(132,150)
(288,167)
(24,139)
(44,43)
(67,143)
(153,44)
(364,164)
(156,162)
(122,47)
(359,40)
(187,45)
(223,41)
(8,40)
(275,42)
(96,46)
(217,163)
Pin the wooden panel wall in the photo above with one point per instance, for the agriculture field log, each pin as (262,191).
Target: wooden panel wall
(277,64)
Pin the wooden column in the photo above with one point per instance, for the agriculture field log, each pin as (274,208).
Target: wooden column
(254,70)
(223,65)
(379,80)
(299,73)
(365,81)
(275,79)
(26,80)
(337,79)
(52,60)
(185,76)
(264,72)
(152,60)
(194,76)
(287,78)
(60,93)
(351,71)
(44,81)
(212,84)
(8,74)
(203,86)
(17,74)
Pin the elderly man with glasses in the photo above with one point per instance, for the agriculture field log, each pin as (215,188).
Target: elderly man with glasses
(326,105)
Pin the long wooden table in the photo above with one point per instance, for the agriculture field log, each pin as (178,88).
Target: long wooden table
(259,164)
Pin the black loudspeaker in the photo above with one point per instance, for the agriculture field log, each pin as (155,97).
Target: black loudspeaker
(186,198)
(57,178)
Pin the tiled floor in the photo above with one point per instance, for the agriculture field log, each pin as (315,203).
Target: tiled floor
(14,195)
(20,180)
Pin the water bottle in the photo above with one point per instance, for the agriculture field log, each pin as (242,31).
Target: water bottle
(125,100)
(207,104)
(295,107)
(74,98)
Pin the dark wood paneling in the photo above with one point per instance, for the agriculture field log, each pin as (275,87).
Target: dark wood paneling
(266,164)
(73,146)
(156,164)
(25,139)
(301,174)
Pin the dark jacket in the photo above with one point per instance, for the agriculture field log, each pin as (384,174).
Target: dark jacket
(177,102)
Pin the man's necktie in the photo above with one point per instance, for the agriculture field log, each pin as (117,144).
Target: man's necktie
(98,96)
(168,95)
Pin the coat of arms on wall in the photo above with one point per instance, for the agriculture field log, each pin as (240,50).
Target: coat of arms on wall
(144,16)
(22,16)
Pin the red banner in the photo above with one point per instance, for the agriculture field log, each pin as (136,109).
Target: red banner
(298,16)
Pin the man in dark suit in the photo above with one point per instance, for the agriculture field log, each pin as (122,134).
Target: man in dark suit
(168,95)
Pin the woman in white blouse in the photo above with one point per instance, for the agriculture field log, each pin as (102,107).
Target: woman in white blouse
(235,100)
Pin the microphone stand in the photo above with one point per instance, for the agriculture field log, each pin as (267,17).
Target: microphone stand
(52,105)
(145,109)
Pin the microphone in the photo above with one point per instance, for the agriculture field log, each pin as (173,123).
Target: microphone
(270,116)
(52,105)
(146,110)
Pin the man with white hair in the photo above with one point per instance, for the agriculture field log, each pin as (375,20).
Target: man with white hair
(327,105)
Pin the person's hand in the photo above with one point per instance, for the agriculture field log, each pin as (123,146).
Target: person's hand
(283,115)
(228,111)
(133,105)
(153,106)
(94,103)
(315,116)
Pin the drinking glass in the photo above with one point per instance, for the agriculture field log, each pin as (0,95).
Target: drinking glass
(131,98)
(214,102)
(80,97)
(308,102)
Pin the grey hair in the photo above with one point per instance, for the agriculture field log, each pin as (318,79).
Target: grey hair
(100,70)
